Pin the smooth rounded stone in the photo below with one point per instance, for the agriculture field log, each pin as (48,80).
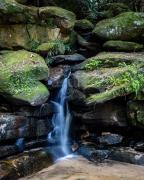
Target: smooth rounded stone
(110,139)
(116,28)
(127,155)
(81,168)
(15,126)
(123,46)
(93,154)
(68,59)
(25,164)
(21,72)
(31,36)
(27,27)
(84,25)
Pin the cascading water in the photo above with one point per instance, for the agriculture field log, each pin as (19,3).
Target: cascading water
(61,119)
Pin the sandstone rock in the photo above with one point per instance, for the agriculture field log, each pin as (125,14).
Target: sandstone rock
(21,72)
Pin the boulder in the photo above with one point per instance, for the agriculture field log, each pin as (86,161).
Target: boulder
(110,59)
(110,139)
(28,37)
(27,27)
(18,126)
(68,59)
(21,72)
(126,26)
(84,25)
(51,16)
(123,46)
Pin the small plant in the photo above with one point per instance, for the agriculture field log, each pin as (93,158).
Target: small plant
(132,77)
(92,64)
(58,48)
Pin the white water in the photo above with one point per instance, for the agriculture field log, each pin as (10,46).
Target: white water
(61,119)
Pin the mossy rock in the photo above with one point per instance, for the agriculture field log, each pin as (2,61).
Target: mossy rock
(56,16)
(29,37)
(123,46)
(111,59)
(51,48)
(105,84)
(20,75)
(126,26)
(13,12)
(84,25)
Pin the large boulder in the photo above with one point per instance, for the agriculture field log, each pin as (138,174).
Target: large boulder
(13,12)
(126,26)
(109,75)
(110,59)
(28,27)
(123,46)
(20,75)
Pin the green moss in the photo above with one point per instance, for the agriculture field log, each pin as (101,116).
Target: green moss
(123,46)
(112,59)
(126,26)
(84,24)
(20,74)
(107,95)
(52,48)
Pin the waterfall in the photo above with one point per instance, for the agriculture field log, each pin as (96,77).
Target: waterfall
(61,119)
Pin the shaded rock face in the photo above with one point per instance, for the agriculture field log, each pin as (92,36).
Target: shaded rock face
(21,72)
(116,28)
(102,115)
(25,122)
